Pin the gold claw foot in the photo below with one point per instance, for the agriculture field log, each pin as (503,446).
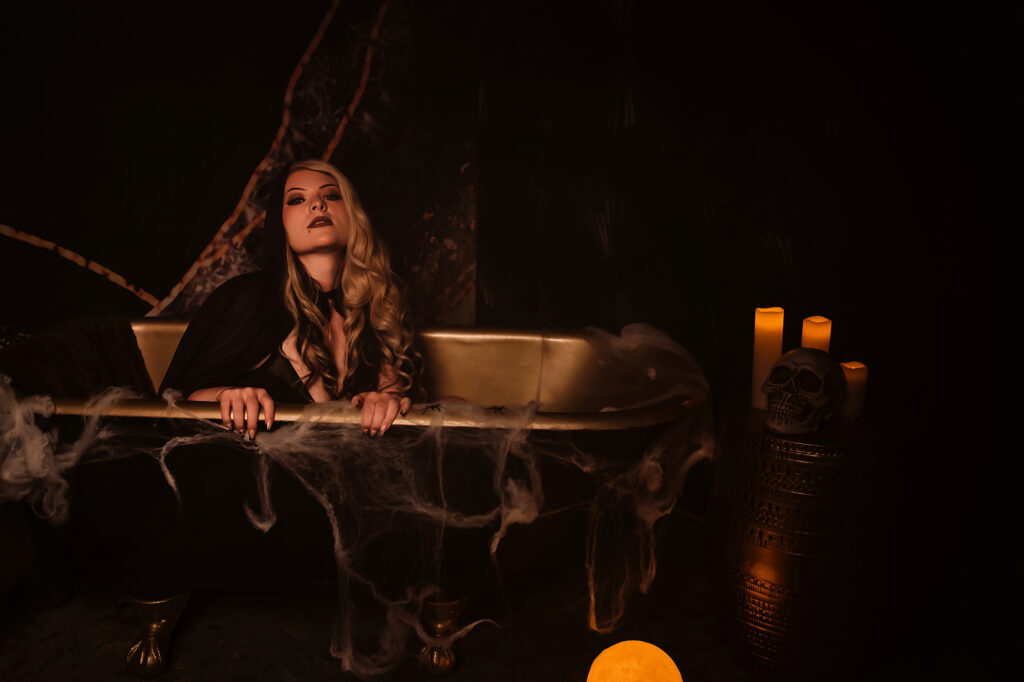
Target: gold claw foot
(442,620)
(147,658)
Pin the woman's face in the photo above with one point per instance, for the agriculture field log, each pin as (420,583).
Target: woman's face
(315,216)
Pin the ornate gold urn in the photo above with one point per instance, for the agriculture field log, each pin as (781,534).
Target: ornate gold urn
(793,538)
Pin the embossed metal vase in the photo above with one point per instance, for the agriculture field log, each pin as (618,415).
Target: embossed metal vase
(793,543)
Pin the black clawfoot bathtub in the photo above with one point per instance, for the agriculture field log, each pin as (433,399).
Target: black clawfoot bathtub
(574,387)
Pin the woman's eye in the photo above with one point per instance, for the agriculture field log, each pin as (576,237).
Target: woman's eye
(295,201)
(334,196)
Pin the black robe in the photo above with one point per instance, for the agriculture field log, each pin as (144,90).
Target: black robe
(235,340)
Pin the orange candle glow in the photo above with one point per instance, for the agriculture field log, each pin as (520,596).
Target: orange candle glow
(817,332)
(856,387)
(767,349)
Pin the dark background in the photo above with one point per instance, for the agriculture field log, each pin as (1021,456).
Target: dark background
(834,161)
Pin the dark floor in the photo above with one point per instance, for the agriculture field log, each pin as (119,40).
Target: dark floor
(285,636)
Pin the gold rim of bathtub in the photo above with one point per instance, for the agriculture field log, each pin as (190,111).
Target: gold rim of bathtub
(575,384)
(420,415)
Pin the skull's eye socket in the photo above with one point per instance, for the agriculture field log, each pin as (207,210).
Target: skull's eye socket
(780,374)
(808,381)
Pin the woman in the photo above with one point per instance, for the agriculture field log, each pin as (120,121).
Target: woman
(323,321)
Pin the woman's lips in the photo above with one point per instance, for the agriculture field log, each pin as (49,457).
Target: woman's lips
(319,222)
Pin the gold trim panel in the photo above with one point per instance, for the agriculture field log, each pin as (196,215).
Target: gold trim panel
(575,386)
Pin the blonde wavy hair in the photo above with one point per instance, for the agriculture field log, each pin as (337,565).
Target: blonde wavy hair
(372,301)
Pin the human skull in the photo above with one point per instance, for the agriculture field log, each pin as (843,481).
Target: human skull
(804,388)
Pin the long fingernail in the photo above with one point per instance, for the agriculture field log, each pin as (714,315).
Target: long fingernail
(252,434)
(268,423)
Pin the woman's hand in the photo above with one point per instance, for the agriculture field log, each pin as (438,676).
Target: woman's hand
(380,409)
(240,408)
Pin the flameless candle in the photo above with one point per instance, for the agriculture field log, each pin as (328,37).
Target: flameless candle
(767,349)
(817,332)
(856,386)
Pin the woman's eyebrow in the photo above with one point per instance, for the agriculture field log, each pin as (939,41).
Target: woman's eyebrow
(329,184)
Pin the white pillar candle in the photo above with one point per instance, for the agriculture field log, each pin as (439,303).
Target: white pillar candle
(817,332)
(767,349)
(856,387)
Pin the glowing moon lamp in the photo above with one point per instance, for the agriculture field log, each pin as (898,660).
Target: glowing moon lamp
(633,661)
